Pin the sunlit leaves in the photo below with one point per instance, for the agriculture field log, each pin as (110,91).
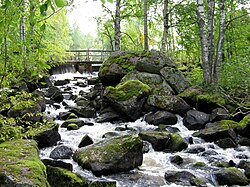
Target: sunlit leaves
(60,3)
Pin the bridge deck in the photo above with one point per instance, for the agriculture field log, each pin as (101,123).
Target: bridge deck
(90,57)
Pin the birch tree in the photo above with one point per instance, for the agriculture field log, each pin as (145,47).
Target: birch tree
(211,50)
(117,25)
(145,18)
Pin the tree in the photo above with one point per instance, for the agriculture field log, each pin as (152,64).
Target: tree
(117,25)
(145,18)
(211,55)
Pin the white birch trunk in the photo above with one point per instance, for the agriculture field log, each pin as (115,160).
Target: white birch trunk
(117,25)
(220,41)
(145,25)
(165,26)
(203,40)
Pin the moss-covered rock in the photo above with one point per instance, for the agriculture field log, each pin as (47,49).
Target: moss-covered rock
(169,103)
(244,127)
(177,143)
(111,155)
(218,130)
(231,176)
(72,126)
(46,134)
(78,122)
(128,98)
(158,140)
(20,164)
(64,178)
(116,66)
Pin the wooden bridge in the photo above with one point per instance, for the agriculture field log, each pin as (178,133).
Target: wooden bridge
(87,60)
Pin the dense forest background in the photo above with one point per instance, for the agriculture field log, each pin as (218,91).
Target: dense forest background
(209,40)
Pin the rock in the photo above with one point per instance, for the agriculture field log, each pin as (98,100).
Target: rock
(58,163)
(158,140)
(86,140)
(219,114)
(27,110)
(84,112)
(57,97)
(195,149)
(61,82)
(128,98)
(20,164)
(217,130)
(208,153)
(64,115)
(231,176)
(46,135)
(146,146)
(154,81)
(64,178)
(153,61)
(226,143)
(183,178)
(161,117)
(102,183)
(115,67)
(244,127)
(175,79)
(195,120)
(108,114)
(177,143)
(72,126)
(93,80)
(243,141)
(176,159)
(78,122)
(113,155)
(168,103)
(61,152)
(51,91)
(112,134)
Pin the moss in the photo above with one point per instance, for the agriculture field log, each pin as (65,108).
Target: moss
(72,126)
(177,143)
(244,121)
(212,99)
(222,164)
(199,164)
(228,124)
(22,105)
(102,184)
(20,161)
(127,90)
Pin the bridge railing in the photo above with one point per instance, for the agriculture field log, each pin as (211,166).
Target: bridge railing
(88,56)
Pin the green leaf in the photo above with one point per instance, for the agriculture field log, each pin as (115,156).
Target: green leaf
(43,27)
(1,24)
(43,9)
(111,1)
(60,3)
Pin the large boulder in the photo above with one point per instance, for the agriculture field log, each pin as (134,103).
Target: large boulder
(45,135)
(183,178)
(153,61)
(195,120)
(20,164)
(169,103)
(115,67)
(111,155)
(61,152)
(219,114)
(64,178)
(218,130)
(231,176)
(158,140)
(128,98)
(175,79)
(161,117)
(244,127)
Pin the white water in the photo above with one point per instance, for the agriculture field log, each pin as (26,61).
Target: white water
(151,172)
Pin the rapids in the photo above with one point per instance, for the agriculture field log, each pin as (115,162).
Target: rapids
(151,172)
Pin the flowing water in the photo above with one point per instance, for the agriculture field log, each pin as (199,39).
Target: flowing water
(151,172)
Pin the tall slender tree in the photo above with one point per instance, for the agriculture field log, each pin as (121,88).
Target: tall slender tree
(145,18)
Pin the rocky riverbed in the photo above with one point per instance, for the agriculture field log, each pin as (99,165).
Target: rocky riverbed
(138,122)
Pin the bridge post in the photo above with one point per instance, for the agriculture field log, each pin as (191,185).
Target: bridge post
(88,64)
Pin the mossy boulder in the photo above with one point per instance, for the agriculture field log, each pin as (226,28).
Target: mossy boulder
(244,127)
(77,121)
(45,134)
(128,98)
(175,79)
(218,130)
(177,143)
(231,176)
(20,164)
(64,178)
(116,66)
(158,140)
(169,103)
(154,81)
(72,126)
(153,61)
(161,117)
(111,155)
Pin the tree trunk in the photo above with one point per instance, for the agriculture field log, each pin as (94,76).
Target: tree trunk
(220,41)
(204,41)
(32,24)
(145,25)
(23,35)
(165,26)
(117,25)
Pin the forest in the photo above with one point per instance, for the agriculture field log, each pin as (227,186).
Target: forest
(171,103)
